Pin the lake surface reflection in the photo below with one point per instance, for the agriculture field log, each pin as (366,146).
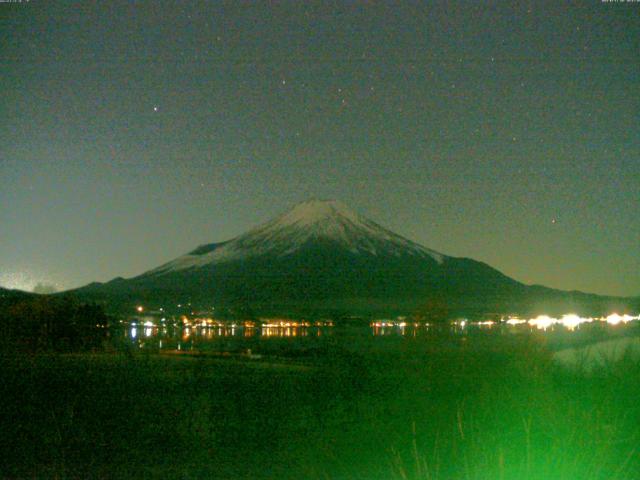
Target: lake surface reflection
(238,337)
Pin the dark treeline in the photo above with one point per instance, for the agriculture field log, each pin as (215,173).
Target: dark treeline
(45,323)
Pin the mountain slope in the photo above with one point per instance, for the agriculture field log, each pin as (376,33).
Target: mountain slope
(309,222)
(321,256)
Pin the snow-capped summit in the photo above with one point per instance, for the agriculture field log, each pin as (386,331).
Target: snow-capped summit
(327,222)
(322,257)
(314,211)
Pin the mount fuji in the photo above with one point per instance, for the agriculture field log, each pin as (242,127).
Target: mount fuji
(323,257)
(307,225)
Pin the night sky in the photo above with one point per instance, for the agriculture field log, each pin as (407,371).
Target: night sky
(508,133)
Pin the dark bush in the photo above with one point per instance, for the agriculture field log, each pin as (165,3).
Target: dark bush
(49,323)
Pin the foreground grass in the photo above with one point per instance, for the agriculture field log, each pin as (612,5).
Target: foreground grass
(407,410)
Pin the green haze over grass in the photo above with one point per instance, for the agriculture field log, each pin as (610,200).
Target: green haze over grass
(394,410)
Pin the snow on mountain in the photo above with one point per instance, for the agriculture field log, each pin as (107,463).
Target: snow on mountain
(326,221)
(323,257)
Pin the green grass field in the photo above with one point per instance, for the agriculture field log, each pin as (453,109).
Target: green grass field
(406,410)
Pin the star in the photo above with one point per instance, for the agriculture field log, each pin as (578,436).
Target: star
(156,108)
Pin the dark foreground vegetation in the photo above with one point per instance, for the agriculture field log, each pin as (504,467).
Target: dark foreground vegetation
(404,409)
(41,323)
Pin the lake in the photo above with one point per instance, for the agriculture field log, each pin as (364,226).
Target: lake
(254,337)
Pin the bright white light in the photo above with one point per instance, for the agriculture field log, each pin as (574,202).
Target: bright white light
(542,322)
(488,323)
(515,321)
(571,321)
(615,319)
